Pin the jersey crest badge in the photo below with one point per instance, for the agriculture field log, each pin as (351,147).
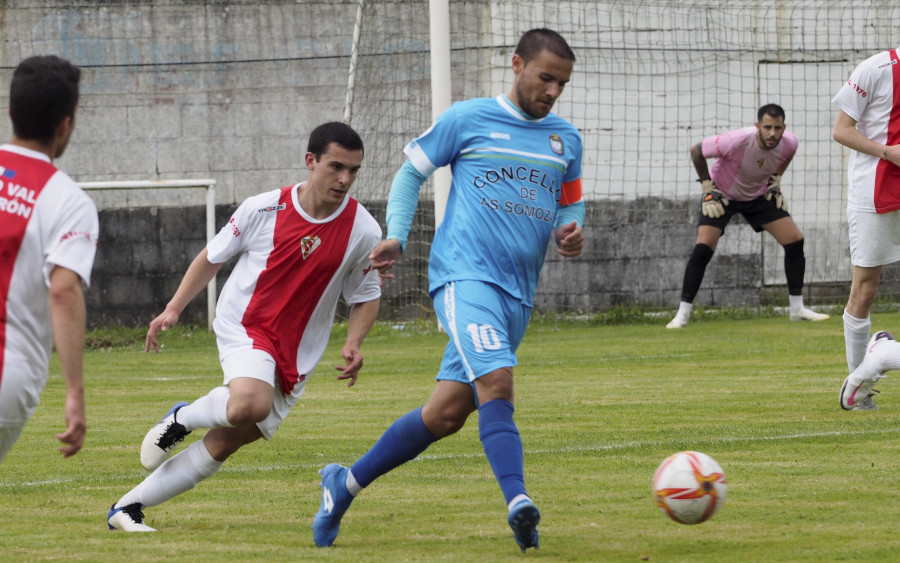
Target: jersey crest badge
(761,162)
(556,144)
(308,244)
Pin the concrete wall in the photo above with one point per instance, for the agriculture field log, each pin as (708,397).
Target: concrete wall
(230,89)
(634,256)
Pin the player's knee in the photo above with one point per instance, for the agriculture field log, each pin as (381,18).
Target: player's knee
(794,250)
(448,420)
(701,255)
(248,409)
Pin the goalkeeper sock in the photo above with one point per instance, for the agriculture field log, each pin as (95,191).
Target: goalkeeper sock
(856,335)
(405,439)
(693,272)
(684,310)
(794,267)
(502,446)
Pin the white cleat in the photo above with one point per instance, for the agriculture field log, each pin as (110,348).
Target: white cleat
(677,322)
(161,440)
(128,519)
(857,392)
(806,314)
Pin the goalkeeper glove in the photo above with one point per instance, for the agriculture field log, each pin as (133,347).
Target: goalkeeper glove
(714,201)
(773,189)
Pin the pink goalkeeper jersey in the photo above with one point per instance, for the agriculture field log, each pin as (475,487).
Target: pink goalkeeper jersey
(742,168)
(871,96)
(291,270)
(45,221)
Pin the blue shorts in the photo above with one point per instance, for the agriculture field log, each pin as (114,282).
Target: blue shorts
(486,326)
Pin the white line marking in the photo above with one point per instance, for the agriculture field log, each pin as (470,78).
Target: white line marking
(431,457)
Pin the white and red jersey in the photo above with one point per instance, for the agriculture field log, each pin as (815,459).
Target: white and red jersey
(45,221)
(871,96)
(291,270)
(743,168)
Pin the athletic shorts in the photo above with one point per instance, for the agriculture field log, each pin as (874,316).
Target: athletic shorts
(258,364)
(757,212)
(485,325)
(8,436)
(874,238)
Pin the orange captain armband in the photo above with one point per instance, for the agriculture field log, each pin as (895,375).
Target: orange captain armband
(571,192)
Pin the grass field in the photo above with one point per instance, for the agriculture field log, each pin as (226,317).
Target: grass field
(598,408)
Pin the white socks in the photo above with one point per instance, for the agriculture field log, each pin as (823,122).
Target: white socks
(175,476)
(209,411)
(351,484)
(796,302)
(856,336)
(890,356)
(684,310)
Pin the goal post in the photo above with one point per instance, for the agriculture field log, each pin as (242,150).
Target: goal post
(207,184)
(439,23)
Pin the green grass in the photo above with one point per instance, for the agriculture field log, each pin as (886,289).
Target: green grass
(599,405)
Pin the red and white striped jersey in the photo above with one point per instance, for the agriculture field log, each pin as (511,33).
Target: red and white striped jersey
(291,271)
(46,220)
(871,96)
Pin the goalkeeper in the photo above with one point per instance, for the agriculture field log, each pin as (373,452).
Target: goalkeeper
(746,179)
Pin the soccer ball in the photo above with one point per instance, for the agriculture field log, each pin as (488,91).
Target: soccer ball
(689,487)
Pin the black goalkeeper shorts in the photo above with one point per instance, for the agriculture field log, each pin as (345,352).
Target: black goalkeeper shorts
(757,212)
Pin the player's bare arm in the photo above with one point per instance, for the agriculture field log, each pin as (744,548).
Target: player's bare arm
(385,255)
(67,316)
(362,318)
(569,240)
(846,133)
(700,164)
(198,276)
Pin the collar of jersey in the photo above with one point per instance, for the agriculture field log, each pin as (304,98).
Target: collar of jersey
(514,110)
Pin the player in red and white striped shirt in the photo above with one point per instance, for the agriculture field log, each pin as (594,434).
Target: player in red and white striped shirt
(868,122)
(299,249)
(48,238)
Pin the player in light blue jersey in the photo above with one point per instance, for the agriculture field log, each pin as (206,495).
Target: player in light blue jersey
(516,182)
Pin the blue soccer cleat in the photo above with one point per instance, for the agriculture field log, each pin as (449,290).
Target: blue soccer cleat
(523,519)
(336,500)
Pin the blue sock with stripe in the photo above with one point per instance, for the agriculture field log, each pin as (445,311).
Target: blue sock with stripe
(502,446)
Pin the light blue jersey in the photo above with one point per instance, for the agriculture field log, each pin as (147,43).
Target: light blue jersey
(508,174)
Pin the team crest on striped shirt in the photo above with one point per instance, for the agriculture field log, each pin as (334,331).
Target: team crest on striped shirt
(556,144)
(308,244)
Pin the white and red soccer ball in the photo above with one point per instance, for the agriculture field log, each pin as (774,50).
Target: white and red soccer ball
(689,487)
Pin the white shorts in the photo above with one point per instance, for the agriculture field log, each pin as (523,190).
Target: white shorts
(8,437)
(257,364)
(874,238)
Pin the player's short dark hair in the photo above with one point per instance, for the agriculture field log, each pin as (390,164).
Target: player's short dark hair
(534,41)
(43,91)
(333,132)
(772,110)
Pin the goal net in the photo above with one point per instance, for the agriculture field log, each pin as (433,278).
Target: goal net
(652,78)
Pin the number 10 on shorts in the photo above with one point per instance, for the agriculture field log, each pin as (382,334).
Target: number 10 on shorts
(484,337)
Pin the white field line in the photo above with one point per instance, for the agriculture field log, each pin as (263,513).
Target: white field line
(428,457)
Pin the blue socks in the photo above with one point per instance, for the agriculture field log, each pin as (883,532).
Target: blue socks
(405,439)
(502,446)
